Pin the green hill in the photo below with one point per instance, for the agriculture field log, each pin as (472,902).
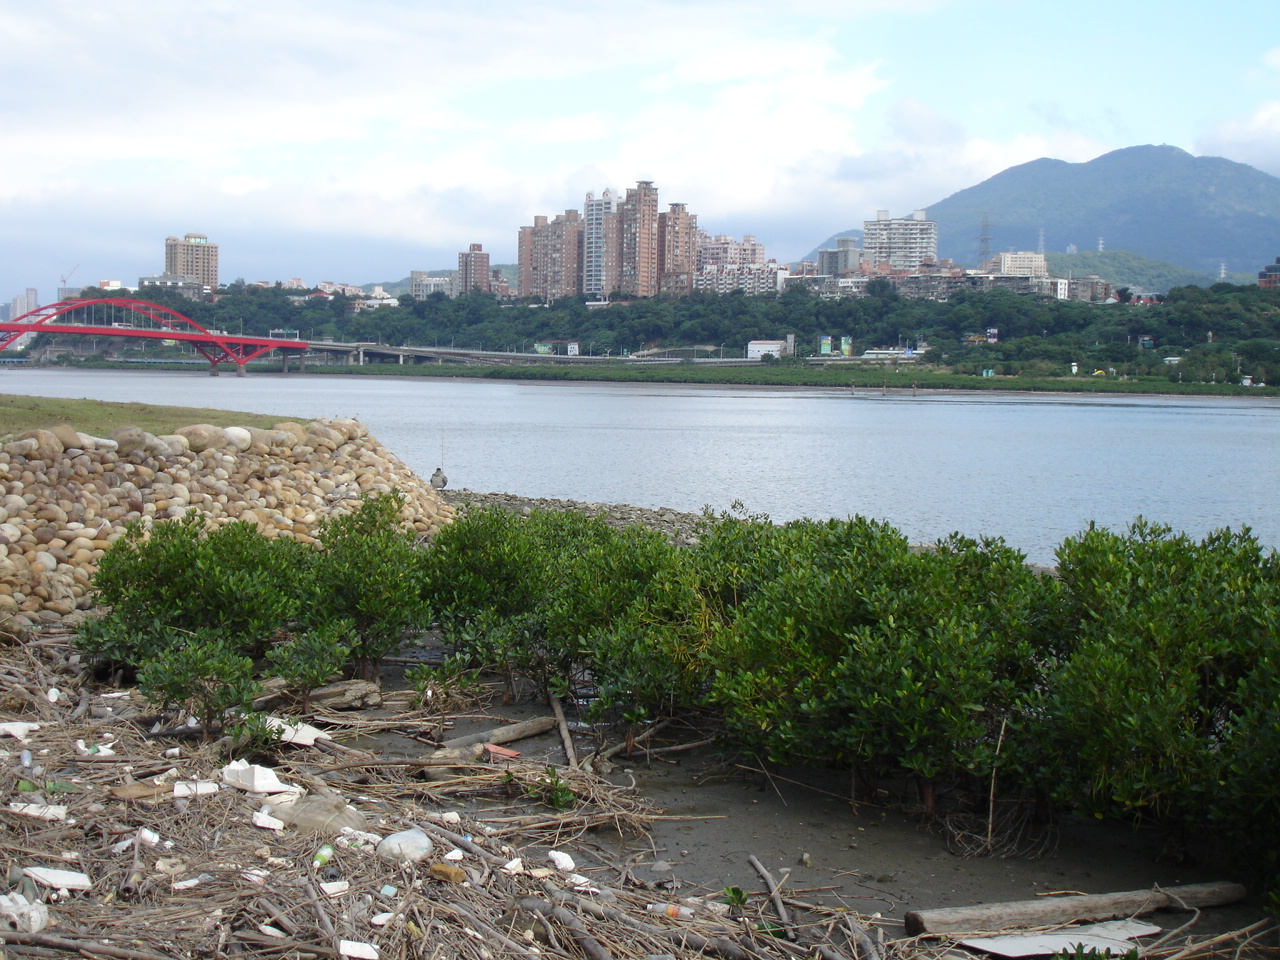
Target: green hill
(1125,269)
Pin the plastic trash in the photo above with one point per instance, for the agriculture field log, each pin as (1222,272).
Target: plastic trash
(266,821)
(17,729)
(407,846)
(514,866)
(59,879)
(299,734)
(40,811)
(323,815)
(350,839)
(21,915)
(670,910)
(253,778)
(455,855)
(335,888)
(561,861)
(323,856)
(194,788)
(357,950)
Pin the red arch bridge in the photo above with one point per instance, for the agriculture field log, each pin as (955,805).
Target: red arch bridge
(141,320)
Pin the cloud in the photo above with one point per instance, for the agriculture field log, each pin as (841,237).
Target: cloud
(1254,139)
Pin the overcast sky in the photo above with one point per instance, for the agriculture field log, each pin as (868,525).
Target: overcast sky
(356,141)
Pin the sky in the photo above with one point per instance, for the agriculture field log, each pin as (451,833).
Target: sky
(356,141)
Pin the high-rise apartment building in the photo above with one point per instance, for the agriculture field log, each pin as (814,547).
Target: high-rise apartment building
(841,260)
(904,243)
(549,257)
(638,216)
(677,251)
(192,256)
(473,271)
(601,245)
(1023,263)
(24,302)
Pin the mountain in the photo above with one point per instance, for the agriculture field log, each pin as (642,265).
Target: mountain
(1124,269)
(1156,201)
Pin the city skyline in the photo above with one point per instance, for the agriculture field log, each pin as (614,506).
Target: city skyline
(359,144)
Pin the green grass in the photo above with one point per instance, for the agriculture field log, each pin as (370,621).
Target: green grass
(98,418)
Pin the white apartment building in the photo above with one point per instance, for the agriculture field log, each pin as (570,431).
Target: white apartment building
(1024,263)
(751,278)
(904,243)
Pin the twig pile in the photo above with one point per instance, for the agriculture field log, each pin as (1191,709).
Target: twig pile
(175,868)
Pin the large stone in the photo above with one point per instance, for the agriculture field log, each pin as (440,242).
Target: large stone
(68,437)
(129,439)
(238,437)
(295,430)
(48,447)
(203,436)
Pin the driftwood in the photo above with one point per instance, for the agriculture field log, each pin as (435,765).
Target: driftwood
(783,917)
(565,737)
(990,917)
(505,733)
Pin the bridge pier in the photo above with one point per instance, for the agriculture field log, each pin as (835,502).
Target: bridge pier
(239,369)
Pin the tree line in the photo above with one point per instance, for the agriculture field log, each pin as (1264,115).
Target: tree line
(1219,333)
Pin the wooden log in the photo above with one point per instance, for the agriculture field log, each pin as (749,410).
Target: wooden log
(990,917)
(565,736)
(506,733)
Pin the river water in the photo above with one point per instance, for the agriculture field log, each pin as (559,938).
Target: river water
(1032,469)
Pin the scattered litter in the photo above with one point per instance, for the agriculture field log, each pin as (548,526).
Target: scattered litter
(53,695)
(358,950)
(514,866)
(322,857)
(408,846)
(561,861)
(266,821)
(194,788)
(455,855)
(253,778)
(40,811)
(324,815)
(21,915)
(17,729)
(673,910)
(335,888)
(350,839)
(298,734)
(58,879)
(381,919)
(1112,936)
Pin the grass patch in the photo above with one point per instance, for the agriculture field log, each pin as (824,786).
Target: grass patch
(99,417)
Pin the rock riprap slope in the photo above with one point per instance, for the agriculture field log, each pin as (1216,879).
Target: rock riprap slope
(67,497)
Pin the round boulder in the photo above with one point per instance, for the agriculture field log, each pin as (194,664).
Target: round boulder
(203,436)
(238,437)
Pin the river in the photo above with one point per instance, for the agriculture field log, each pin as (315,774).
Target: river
(1032,469)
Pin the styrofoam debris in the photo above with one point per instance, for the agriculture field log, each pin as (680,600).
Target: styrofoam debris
(18,729)
(190,882)
(299,734)
(58,879)
(252,778)
(381,919)
(514,866)
(266,821)
(335,888)
(541,873)
(350,839)
(270,931)
(407,845)
(22,915)
(561,861)
(455,855)
(1112,936)
(194,788)
(358,950)
(450,816)
(148,838)
(578,879)
(40,811)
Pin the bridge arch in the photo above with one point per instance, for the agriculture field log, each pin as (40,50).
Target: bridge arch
(99,317)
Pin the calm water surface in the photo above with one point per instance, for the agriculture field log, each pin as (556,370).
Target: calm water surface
(1031,469)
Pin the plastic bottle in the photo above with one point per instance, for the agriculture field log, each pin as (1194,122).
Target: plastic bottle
(323,856)
(670,910)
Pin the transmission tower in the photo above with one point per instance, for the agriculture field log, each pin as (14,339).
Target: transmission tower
(1101,245)
(1040,249)
(984,242)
